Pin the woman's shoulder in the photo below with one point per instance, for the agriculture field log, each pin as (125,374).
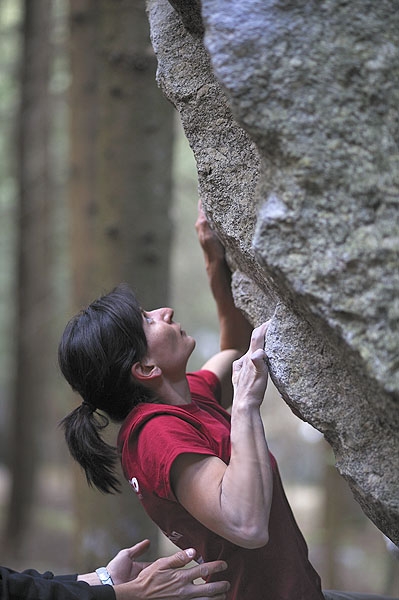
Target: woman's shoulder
(154,413)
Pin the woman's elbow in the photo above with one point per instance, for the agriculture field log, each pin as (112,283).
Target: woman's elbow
(253,538)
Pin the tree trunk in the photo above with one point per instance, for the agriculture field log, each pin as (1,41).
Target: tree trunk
(33,291)
(120,196)
(134,157)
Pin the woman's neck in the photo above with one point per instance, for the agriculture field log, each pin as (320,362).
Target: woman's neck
(174,393)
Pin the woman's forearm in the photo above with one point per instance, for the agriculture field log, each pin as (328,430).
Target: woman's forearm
(247,505)
(235,331)
(247,485)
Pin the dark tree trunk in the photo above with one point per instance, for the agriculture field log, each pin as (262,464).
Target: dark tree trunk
(33,289)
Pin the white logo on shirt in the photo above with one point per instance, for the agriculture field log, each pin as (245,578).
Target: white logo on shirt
(135,484)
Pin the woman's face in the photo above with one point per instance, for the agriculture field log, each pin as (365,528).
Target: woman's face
(168,346)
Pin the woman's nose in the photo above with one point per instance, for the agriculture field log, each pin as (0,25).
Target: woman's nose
(168,314)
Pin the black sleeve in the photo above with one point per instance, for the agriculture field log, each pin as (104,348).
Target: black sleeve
(31,585)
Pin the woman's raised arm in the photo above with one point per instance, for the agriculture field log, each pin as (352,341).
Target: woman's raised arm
(235,331)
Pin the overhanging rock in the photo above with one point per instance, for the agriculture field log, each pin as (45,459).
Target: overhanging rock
(291,109)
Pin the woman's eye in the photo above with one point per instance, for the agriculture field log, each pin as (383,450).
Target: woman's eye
(147,318)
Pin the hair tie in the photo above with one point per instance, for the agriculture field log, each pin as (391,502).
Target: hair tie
(90,406)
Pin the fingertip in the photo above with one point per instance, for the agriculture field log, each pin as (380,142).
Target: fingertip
(138,548)
(223,566)
(190,552)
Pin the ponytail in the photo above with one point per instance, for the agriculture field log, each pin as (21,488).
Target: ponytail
(98,459)
(96,353)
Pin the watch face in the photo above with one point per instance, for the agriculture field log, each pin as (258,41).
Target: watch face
(104,576)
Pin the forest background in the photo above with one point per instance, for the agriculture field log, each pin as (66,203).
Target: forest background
(98,185)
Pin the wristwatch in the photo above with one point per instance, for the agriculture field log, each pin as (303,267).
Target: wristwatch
(104,576)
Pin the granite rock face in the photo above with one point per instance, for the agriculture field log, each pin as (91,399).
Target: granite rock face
(291,109)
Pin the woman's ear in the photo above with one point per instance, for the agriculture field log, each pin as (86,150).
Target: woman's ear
(145,373)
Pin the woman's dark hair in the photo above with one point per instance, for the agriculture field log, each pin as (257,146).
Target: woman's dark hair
(96,352)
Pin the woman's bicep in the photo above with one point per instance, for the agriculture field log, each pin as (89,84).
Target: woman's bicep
(196,480)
